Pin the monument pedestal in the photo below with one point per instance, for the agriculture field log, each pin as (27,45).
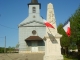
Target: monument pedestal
(53,57)
(52,47)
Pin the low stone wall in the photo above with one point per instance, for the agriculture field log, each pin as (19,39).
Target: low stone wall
(30,52)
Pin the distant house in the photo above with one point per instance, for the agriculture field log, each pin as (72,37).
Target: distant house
(32,30)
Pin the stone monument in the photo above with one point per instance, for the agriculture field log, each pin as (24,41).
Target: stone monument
(52,38)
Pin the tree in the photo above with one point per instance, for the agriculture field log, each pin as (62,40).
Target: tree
(75,28)
(17,46)
(1,49)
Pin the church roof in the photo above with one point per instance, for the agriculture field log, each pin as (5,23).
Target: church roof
(31,23)
(34,2)
(33,38)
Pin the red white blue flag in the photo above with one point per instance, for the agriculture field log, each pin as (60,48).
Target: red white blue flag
(48,24)
(67,28)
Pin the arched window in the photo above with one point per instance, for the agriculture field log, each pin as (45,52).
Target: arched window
(33,9)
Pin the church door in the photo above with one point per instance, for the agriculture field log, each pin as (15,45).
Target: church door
(34,46)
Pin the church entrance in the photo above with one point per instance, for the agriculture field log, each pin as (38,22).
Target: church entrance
(34,46)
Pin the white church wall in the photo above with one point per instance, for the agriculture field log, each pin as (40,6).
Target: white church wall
(33,22)
(25,32)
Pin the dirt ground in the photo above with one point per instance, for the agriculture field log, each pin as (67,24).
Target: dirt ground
(17,56)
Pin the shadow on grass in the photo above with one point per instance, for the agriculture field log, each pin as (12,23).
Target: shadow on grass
(71,56)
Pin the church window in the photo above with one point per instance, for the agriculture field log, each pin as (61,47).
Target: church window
(33,16)
(33,32)
(34,9)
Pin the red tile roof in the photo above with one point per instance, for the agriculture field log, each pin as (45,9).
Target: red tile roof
(33,38)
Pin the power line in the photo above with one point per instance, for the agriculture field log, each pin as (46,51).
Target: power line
(7,27)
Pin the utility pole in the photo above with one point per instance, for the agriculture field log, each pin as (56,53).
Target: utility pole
(5,45)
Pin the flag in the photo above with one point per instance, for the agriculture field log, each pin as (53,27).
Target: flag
(67,28)
(48,24)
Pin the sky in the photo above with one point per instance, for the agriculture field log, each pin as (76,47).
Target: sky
(13,12)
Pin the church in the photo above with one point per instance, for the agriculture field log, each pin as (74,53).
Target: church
(32,30)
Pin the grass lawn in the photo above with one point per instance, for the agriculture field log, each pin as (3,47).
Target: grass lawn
(65,58)
(69,59)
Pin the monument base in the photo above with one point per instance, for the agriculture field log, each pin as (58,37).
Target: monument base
(53,57)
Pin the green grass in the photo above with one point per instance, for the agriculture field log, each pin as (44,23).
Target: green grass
(65,58)
(69,59)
